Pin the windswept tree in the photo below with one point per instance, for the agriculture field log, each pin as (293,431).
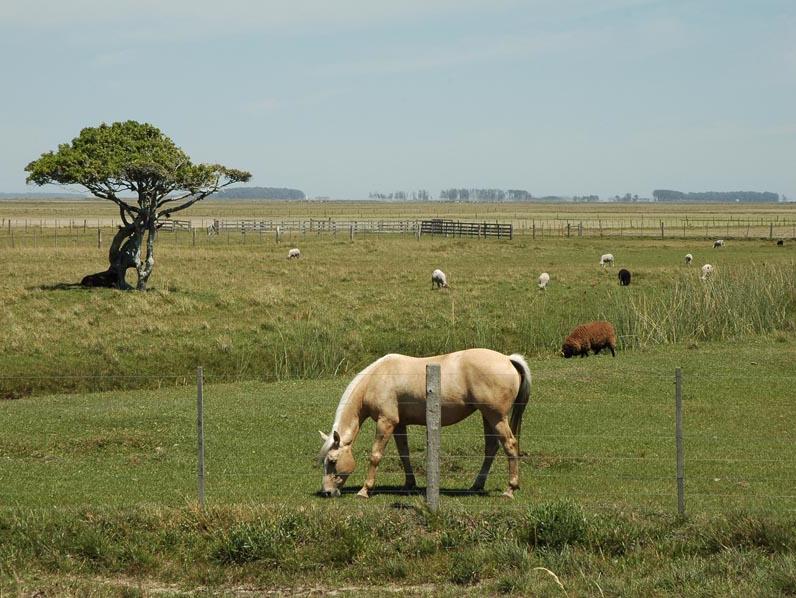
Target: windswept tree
(132,158)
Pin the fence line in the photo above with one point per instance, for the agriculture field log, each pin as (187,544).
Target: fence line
(220,466)
(501,227)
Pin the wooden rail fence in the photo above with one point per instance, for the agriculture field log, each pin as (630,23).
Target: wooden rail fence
(457,228)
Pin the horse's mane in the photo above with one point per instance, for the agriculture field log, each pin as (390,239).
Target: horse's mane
(349,390)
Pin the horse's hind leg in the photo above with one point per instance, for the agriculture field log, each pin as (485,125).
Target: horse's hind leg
(384,430)
(490,448)
(511,446)
(402,443)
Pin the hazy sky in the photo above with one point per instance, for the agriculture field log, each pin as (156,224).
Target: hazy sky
(344,97)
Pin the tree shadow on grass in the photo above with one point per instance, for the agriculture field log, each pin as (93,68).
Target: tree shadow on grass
(58,286)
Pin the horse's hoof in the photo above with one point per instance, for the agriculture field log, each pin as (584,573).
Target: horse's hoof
(363,493)
(508,493)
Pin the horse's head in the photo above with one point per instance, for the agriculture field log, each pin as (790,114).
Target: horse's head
(338,464)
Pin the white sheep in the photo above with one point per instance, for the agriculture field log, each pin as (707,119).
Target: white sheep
(294,253)
(688,258)
(544,278)
(439,279)
(606,258)
(718,243)
(707,271)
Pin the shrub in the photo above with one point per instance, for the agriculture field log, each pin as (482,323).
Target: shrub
(554,525)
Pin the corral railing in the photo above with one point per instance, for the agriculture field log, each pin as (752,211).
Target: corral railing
(175,225)
(457,228)
(312,225)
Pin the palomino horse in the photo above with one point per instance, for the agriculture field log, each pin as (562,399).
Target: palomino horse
(392,391)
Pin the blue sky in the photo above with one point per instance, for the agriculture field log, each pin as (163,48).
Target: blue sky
(347,97)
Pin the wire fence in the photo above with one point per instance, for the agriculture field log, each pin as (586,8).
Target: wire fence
(86,233)
(617,448)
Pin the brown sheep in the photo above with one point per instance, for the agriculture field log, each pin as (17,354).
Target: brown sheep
(594,336)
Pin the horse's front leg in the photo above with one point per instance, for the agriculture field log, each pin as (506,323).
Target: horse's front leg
(384,430)
(402,443)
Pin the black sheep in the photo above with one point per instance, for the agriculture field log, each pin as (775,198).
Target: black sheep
(624,277)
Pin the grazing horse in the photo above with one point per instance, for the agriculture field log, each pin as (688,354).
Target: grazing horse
(392,392)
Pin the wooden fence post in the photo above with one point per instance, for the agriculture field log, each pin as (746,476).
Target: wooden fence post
(770,230)
(678,438)
(661,229)
(350,232)
(200,435)
(433,422)
(193,236)
(99,238)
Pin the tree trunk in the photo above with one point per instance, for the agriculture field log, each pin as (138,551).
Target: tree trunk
(124,253)
(145,268)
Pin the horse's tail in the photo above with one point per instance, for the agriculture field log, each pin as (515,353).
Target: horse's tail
(523,395)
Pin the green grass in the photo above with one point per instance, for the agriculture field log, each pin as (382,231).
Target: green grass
(247,313)
(98,481)
(598,430)
(357,549)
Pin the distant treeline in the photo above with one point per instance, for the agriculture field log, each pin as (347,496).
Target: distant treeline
(719,196)
(485,195)
(419,195)
(261,193)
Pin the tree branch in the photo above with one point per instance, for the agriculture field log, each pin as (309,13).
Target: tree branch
(192,201)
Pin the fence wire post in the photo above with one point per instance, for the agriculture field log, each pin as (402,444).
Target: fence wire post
(433,421)
(678,437)
(200,434)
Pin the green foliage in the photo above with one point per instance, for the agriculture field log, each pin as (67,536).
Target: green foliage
(65,551)
(554,525)
(467,566)
(128,156)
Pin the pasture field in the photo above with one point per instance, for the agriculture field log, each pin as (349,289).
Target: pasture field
(98,490)
(66,210)
(97,450)
(243,311)
(551,218)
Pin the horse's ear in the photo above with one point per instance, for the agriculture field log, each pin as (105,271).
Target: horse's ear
(325,437)
(336,437)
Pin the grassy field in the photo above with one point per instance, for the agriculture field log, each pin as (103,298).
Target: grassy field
(97,489)
(246,312)
(550,219)
(97,453)
(34,211)
(599,430)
